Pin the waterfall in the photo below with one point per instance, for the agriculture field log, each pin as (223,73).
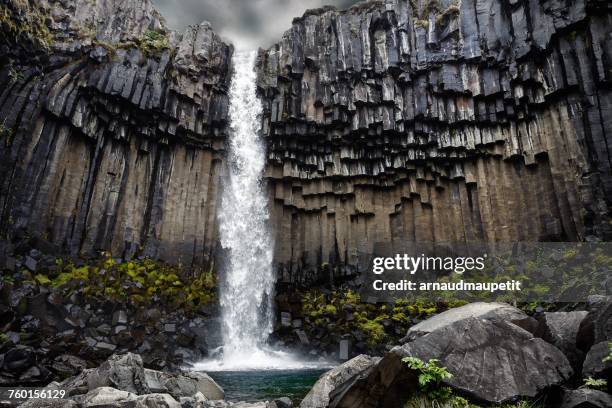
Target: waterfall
(246,291)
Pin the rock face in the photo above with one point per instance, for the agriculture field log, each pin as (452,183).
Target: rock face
(112,129)
(436,121)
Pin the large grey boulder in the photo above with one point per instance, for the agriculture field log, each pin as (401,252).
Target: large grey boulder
(319,395)
(482,310)
(185,385)
(157,401)
(585,398)
(561,329)
(493,361)
(594,365)
(124,372)
(107,397)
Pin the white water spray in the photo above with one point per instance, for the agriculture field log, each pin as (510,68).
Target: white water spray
(248,282)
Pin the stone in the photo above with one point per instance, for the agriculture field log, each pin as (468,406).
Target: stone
(156,401)
(319,395)
(283,402)
(562,329)
(124,372)
(594,365)
(285,319)
(106,397)
(206,385)
(585,398)
(31,263)
(344,349)
(187,384)
(120,318)
(489,311)
(493,361)
(303,337)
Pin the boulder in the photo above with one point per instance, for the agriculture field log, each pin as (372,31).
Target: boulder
(492,360)
(594,365)
(561,329)
(107,397)
(585,398)
(156,401)
(206,385)
(78,384)
(482,310)
(186,385)
(283,402)
(124,372)
(319,395)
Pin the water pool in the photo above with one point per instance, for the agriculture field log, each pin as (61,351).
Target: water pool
(258,385)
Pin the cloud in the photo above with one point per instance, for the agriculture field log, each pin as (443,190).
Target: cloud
(246,23)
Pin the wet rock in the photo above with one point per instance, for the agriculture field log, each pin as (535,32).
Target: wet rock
(319,395)
(185,385)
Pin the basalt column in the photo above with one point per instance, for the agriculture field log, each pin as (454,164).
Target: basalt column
(113,129)
(438,121)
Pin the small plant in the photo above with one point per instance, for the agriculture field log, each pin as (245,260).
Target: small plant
(431,377)
(596,383)
(15,75)
(153,43)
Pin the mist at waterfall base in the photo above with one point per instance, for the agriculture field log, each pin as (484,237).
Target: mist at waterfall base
(246,290)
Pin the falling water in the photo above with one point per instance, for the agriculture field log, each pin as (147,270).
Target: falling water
(248,277)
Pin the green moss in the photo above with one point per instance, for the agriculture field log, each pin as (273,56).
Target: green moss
(153,43)
(27,20)
(374,331)
(141,283)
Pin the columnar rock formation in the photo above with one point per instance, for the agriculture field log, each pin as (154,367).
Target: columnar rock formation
(112,129)
(437,120)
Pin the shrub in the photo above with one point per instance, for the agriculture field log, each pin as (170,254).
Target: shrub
(596,383)
(153,43)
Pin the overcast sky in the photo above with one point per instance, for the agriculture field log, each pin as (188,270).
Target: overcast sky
(246,23)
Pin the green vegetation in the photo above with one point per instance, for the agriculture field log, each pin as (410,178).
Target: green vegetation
(596,383)
(27,21)
(15,75)
(431,378)
(153,43)
(141,282)
(342,313)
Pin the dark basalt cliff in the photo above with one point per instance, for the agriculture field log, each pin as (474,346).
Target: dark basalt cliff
(112,128)
(425,120)
(389,122)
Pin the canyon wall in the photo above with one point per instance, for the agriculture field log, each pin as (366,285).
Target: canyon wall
(113,129)
(425,120)
(393,121)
